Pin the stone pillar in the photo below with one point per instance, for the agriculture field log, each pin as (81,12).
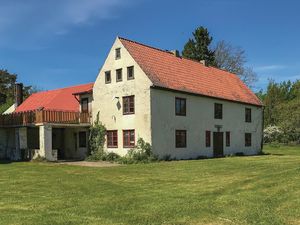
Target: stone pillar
(46,143)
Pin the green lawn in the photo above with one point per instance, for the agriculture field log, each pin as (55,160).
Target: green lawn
(239,190)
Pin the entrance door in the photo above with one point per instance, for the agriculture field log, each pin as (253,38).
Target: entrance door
(218,144)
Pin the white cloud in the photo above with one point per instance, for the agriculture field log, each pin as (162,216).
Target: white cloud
(269,68)
(26,22)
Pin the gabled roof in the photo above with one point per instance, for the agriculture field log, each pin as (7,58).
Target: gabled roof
(59,99)
(165,70)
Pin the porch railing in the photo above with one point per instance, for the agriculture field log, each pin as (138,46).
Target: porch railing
(44,116)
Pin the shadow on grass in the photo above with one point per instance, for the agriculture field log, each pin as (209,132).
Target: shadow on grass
(5,161)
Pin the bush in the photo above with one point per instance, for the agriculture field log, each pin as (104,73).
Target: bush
(272,134)
(142,153)
(96,141)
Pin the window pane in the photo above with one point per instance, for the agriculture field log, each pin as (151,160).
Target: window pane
(227,139)
(112,138)
(82,139)
(180,106)
(118,53)
(207,138)
(218,111)
(84,105)
(248,115)
(119,75)
(128,105)
(128,138)
(107,77)
(130,72)
(180,138)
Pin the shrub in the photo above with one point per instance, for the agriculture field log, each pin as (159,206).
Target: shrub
(96,141)
(142,153)
(272,134)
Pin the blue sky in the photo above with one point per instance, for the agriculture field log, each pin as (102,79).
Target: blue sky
(52,44)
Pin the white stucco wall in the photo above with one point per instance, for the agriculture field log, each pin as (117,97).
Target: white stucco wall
(110,110)
(199,118)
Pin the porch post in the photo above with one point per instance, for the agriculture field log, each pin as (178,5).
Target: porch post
(46,143)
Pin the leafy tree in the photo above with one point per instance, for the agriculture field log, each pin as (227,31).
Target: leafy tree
(282,109)
(7,82)
(198,47)
(233,59)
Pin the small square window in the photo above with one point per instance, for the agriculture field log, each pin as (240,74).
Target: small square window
(180,138)
(107,77)
(248,139)
(119,75)
(227,139)
(130,73)
(180,106)
(207,138)
(248,115)
(82,140)
(218,111)
(118,53)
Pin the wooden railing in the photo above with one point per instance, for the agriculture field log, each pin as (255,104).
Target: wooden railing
(44,116)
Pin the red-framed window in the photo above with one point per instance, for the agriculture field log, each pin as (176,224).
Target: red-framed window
(85,105)
(112,138)
(207,138)
(227,139)
(180,138)
(128,105)
(128,138)
(180,106)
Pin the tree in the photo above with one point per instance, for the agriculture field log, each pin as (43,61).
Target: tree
(7,82)
(198,47)
(233,59)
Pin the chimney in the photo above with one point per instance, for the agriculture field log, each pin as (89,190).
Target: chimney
(18,94)
(203,62)
(175,52)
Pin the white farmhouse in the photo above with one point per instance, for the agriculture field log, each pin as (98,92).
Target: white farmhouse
(183,108)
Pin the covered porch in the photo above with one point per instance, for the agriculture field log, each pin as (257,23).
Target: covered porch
(53,135)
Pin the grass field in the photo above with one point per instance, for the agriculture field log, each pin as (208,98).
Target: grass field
(238,190)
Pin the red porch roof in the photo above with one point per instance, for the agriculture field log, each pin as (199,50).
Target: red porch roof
(59,99)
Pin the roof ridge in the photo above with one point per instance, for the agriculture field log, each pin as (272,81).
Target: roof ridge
(148,46)
(60,89)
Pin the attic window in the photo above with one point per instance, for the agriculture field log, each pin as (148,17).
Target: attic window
(118,53)
(130,73)
(107,77)
(119,75)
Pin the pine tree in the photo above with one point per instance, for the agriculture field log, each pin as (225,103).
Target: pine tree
(198,47)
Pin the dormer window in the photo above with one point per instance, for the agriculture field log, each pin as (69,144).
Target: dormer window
(107,77)
(119,75)
(118,53)
(85,105)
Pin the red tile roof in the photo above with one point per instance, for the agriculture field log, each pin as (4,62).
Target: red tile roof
(165,70)
(59,99)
